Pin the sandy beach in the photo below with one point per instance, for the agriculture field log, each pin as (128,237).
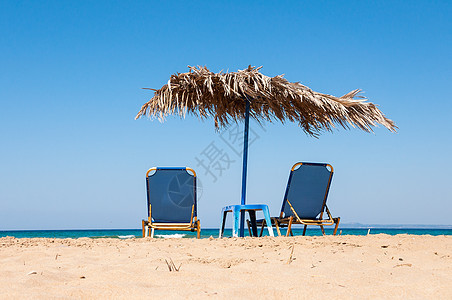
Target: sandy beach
(374,266)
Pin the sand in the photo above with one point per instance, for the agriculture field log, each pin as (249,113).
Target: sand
(374,266)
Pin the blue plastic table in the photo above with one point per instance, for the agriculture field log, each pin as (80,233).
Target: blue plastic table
(251,209)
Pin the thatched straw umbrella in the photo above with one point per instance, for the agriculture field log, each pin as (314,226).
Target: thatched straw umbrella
(235,96)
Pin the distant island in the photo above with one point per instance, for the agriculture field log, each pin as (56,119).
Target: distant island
(395,226)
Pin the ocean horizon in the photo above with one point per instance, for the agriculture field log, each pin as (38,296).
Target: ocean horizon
(208,232)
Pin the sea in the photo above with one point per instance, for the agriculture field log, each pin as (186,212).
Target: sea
(207,233)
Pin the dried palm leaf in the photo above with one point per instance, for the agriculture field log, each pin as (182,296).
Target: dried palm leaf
(223,96)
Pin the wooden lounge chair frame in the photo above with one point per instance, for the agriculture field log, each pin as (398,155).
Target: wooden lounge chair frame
(281,221)
(148,226)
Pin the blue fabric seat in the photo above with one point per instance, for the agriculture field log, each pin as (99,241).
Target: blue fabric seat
(305,198)
(171,199)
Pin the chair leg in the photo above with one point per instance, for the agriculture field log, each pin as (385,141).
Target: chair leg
(142,227)
(268,220)
(241,224)
(198,227)
(289,227)
(152,232)
(252,214)
(262,228)
(323,230)
(277,226)
(249,226)
(235,223)
(304,229)
(223,222)
(336,220)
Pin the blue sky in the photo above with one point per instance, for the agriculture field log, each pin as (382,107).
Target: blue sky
(71,73)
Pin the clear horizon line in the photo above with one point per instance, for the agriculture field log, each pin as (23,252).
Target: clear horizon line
(347,226)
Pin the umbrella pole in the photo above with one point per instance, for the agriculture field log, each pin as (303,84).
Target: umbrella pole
(245,163)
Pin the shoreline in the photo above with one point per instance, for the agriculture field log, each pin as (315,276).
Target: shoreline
(208,232)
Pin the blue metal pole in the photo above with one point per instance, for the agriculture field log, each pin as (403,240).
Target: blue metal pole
(245,162)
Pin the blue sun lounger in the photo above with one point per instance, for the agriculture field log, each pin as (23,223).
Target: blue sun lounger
(171,199)
(305,199)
